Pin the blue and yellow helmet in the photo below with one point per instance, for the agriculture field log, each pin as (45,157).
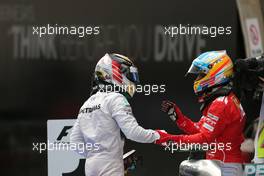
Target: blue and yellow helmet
(214,68)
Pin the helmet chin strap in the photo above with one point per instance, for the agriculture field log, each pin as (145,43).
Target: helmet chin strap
(215,92)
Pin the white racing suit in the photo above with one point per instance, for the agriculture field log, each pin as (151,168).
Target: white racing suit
(98,127)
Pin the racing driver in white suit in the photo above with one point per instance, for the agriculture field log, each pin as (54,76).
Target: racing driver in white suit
(105,113)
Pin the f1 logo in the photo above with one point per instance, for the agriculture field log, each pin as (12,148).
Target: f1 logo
(64,132)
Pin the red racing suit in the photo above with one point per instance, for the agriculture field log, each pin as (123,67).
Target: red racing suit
(222,123)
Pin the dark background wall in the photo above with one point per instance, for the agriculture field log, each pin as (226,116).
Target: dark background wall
(36,87)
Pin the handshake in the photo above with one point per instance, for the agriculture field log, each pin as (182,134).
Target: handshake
(174,113)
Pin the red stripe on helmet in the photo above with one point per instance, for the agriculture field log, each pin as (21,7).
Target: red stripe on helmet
(116,72)
(116,66)
(117,78)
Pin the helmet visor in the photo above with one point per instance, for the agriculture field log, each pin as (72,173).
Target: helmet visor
(133,74)
(194,70)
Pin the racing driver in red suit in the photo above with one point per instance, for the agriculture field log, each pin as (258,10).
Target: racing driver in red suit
(223,118)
